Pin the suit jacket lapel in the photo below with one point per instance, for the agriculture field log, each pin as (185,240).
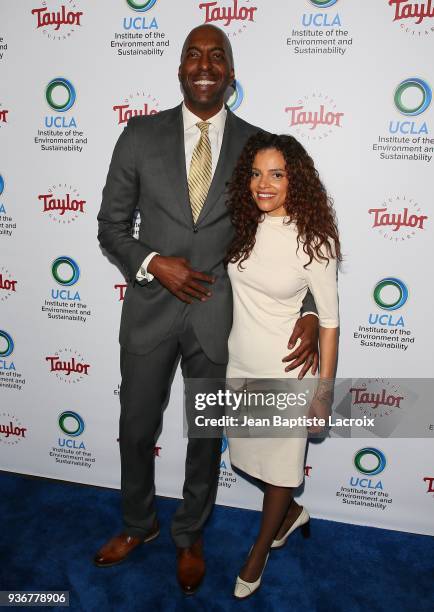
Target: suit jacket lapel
(173,158)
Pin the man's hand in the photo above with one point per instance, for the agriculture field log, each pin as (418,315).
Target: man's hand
(306,329)
(179,278)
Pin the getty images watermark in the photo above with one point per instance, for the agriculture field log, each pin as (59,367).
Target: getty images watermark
(353,408)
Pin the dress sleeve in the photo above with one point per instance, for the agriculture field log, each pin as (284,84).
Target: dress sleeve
(321,278)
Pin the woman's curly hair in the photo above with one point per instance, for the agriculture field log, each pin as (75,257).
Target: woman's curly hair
(307,203)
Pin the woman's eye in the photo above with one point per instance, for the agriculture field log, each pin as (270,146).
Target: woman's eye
(278,175)
(255,174)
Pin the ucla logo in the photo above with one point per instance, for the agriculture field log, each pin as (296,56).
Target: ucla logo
(413,85)
(390,303)
(389,294)
(323,3)
(2,188)
(370,461)
(140,23)
(320,20)
(412,97)
(235,100)
(141,7)
(6,344)
(71,424)
(65,271)
(6,349)
(60,94)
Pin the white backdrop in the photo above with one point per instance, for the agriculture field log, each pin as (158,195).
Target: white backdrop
(345,77)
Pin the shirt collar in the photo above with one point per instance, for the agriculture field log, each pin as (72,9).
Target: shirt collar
(190,119)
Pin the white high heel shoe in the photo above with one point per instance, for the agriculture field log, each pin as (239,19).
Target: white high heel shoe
(244,589)
(302,519)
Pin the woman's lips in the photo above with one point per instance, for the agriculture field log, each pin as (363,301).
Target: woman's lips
(265,196)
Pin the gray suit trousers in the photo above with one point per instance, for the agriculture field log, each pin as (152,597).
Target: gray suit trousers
(145,388)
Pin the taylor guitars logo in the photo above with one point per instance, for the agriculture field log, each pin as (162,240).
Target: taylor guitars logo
(58,22)
(8,285)
(398,219)
(120,289)
(62,203)
(11,429)
(138,104)
(430,483)
(404,9)
(3,115)
(68,365)
(412,16)
(315,116)
(232,16)
(372,400)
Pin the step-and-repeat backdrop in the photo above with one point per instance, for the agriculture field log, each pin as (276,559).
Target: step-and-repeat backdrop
(353,81)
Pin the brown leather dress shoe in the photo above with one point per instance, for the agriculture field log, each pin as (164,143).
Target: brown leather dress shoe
(118,548)
(191,567)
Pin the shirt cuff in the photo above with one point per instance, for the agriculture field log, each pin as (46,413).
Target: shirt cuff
(143,273)
(308,312)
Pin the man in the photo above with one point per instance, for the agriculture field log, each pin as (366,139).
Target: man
(178,302)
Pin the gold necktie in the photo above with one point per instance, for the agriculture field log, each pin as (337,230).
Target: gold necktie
(199,176)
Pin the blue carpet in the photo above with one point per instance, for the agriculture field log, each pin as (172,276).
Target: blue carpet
(50,531)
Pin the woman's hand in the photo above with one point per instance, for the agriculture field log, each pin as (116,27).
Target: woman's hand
(321,405)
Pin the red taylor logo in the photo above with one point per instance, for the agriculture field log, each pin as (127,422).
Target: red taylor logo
(224,13)
(412,15)
(68,365)
(8,285)
(372,400)
(62,203)
(430,482)
(120,288)
(11,429)
(60,22)
(398,219)
(314,117)
(136,104)
(3,115)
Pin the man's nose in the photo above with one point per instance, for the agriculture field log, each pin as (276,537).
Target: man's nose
(204,61)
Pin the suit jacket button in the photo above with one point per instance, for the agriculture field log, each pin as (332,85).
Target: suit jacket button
(195,230)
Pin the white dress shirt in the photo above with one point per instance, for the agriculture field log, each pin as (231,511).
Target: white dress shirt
(191,138)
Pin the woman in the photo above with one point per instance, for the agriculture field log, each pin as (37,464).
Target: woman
(286,241)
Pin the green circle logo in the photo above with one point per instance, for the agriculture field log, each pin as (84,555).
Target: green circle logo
(419,85)
(379,461)
(65,85)
(141,7)
(68,277)
(71,423)
(397,284)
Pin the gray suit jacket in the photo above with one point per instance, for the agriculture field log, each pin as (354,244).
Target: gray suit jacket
(147,172)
